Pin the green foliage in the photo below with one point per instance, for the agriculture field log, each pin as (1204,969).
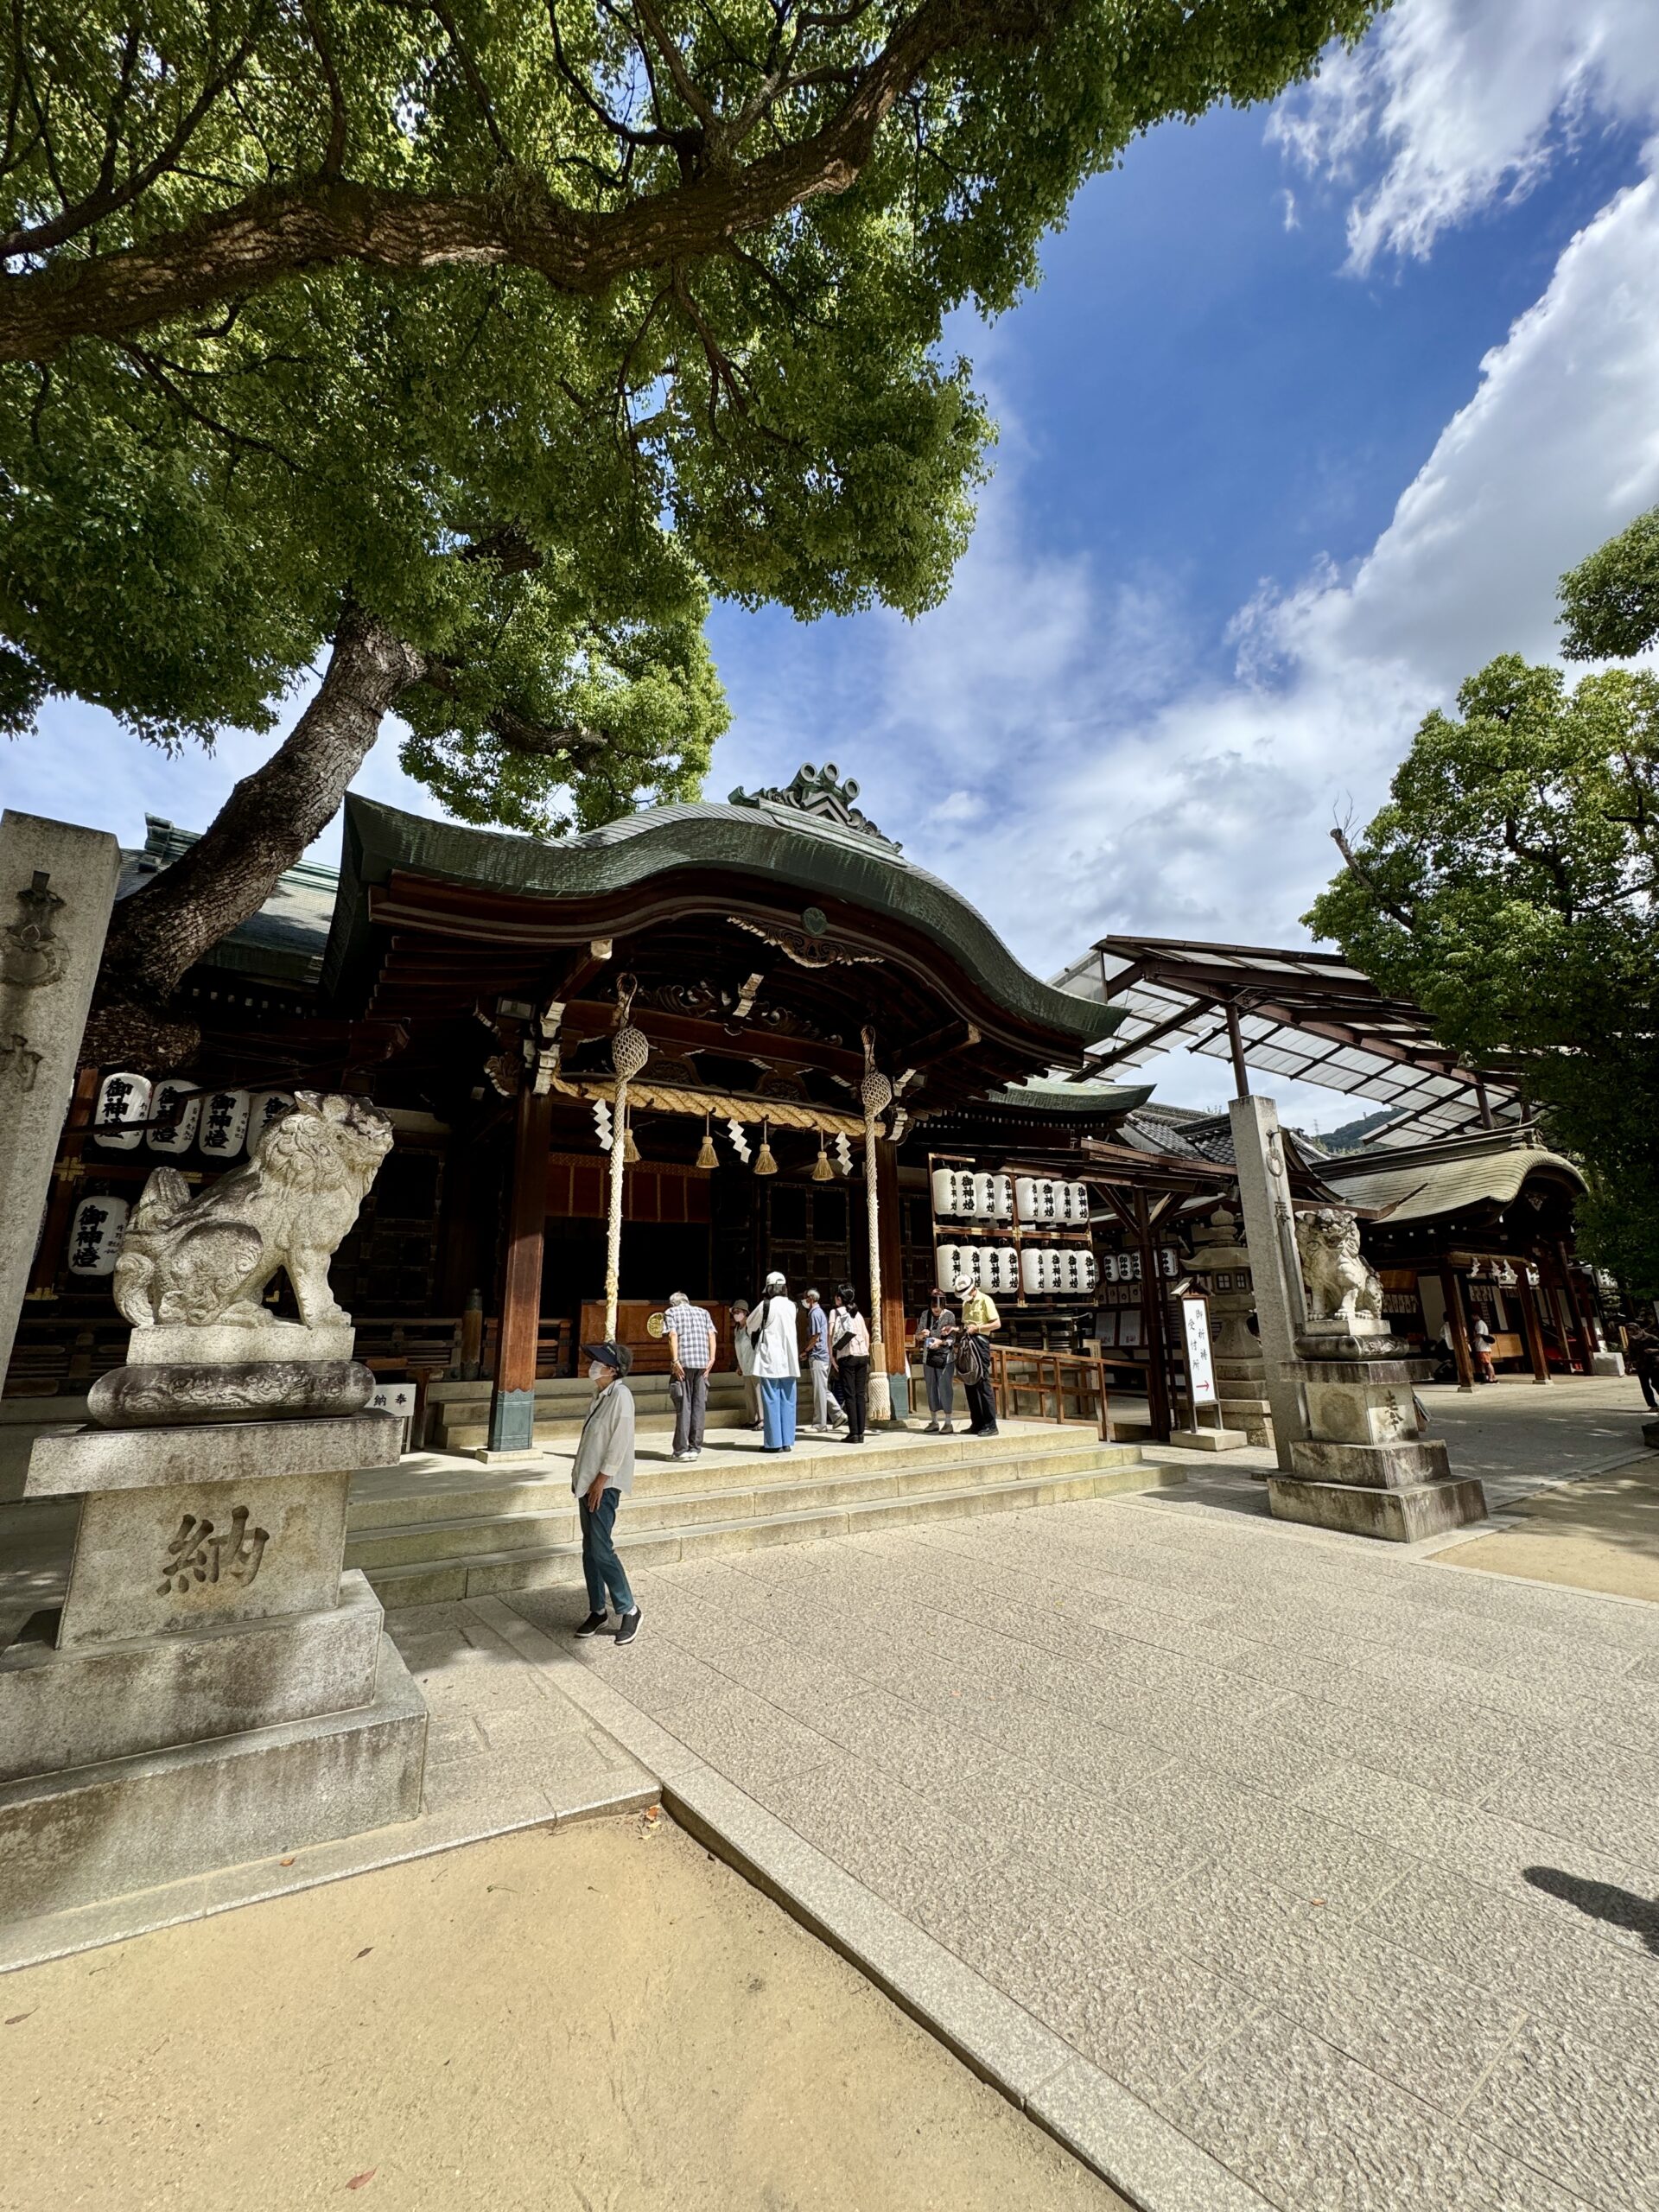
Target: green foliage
(1610,601)
(528,324)
(1508,887)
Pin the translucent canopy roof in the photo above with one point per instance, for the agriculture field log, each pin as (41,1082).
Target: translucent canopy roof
(1307,1016)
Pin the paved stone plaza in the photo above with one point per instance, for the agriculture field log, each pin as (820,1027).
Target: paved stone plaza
(1342,1865)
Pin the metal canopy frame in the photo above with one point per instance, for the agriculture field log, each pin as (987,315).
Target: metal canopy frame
(1308,1016)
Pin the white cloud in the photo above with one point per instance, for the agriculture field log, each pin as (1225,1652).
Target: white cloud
(1121,795)
(1465,102)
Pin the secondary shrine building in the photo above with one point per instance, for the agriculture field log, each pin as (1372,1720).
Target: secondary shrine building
(775,951)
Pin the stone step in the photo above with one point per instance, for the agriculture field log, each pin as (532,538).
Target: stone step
(571,1389)
(551,1518)
(649,1420)
(413,1493)
(559,1566)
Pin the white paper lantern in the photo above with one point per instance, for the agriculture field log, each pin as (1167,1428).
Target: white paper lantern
(953,1193)
(265,1107)
(224,1124)
(994,1196)
(123,1104)
(173,1114)
(999,1269)
(1040,1200)
(95,1235)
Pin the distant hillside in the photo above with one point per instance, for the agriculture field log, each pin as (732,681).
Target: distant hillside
(1352,1134)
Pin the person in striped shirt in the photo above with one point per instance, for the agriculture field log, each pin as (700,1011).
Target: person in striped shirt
(691,1355)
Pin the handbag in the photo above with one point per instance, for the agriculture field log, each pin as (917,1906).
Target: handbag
(973,1358)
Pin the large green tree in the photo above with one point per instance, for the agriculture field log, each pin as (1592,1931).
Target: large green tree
(466,348)
(1508,887)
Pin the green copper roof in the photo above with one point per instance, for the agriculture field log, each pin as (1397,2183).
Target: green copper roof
(762,838)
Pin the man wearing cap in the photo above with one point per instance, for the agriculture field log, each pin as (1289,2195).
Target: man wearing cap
(826,1414)
(690,1333)
(602,1474)
(980,1319)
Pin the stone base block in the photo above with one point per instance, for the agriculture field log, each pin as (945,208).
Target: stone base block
(1331,1343)
(1397,1466)
(83,1707)
(232,1343)
(154,1395)
(97,1832)
(1210,1439)
(1397,1516)
(150,1562)
(68,1460)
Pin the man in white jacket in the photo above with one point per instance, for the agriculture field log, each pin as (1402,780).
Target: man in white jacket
(774,1330)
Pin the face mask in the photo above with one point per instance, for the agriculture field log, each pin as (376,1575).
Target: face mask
(596,1371)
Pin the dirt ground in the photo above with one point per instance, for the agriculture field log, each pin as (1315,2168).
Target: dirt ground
(600,2016)
(1601,1534)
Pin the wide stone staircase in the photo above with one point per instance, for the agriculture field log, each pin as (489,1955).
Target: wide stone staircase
(432,1529)
(458,1413)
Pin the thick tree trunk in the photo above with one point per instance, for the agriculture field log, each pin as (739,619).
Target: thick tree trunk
(262,829)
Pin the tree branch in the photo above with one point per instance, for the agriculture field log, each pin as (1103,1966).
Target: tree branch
(1393,908)
(312,222)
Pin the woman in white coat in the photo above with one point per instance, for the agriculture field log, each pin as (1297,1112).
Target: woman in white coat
(773,1330)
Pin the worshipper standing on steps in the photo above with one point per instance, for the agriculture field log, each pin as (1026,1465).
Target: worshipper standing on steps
(777,1363)
(601,1476)
(826,1415)
(934,1330)
(690,1333)
(849,1349)
(743,1350)
(980,1319)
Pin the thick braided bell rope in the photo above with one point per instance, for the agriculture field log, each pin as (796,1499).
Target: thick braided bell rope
(874,1095)
(630,1050)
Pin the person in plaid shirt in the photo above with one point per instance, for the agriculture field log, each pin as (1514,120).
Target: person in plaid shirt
(690,1356)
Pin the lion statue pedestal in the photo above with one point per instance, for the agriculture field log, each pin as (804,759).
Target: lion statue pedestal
(1367,1468)
(216,1682)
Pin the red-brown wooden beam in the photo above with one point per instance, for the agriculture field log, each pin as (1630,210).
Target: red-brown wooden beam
(512,1402)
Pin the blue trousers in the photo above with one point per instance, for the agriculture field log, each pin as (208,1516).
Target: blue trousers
(778,1411)
(598,1561)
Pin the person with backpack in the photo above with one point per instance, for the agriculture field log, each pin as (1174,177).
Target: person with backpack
(980,1320)
(934,1330)
(849,1354)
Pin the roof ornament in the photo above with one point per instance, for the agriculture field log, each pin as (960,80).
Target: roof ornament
(821,793)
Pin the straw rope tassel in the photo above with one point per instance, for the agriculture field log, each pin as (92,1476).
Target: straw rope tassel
(874,1095)
(630,1049)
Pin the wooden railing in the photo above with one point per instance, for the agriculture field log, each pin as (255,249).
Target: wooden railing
(1067,1385)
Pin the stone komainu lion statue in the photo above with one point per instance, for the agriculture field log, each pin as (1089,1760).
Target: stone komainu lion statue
(1341,1284)
(209,1258)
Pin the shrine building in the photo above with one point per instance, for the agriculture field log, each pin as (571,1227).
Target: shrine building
(774,950)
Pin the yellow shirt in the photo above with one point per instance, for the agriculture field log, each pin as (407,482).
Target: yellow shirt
(979,1311)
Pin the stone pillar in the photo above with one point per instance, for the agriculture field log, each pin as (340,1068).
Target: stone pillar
(1241,1375)
(57,885)
(216,1687)
(1275,1272)
(512,1402)
(1367,1468)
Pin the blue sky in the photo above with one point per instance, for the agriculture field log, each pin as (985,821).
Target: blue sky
(1309,412)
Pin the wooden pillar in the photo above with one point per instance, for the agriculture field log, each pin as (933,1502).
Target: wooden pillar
(512,1403)
(1527,1298)
(1582,1338)
(1158,1398)
(1458,1316)
(895,1336)
(1235,1046)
